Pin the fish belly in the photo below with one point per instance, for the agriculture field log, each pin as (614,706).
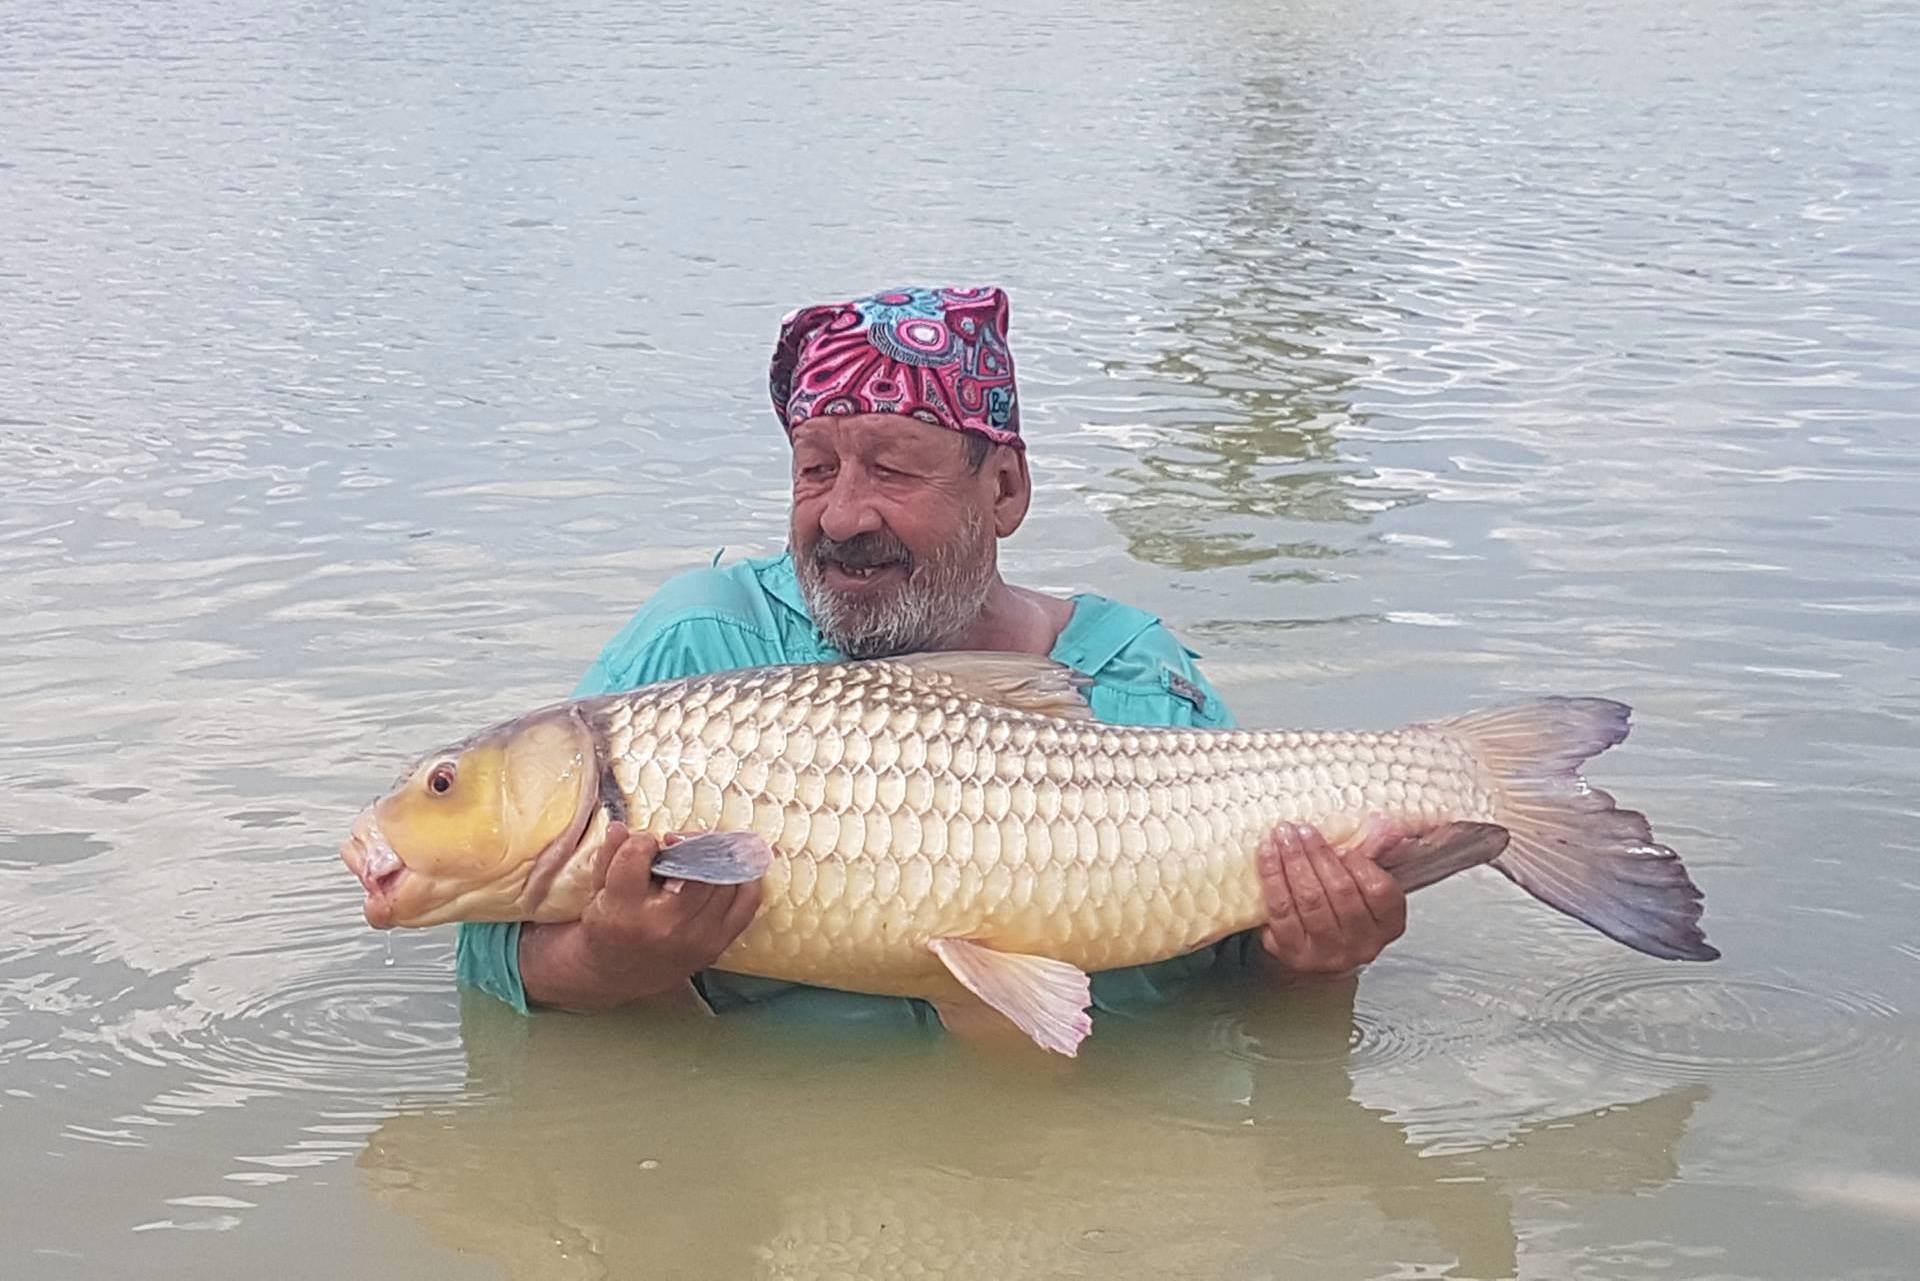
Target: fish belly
(901,814)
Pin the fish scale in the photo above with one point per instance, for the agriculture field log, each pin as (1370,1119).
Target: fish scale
(989,819)
(958,827)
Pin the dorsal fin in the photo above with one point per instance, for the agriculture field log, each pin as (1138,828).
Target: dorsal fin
(1018,682)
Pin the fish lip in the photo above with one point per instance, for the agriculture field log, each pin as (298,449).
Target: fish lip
(378,868)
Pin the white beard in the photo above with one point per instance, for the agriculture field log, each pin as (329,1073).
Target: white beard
(939,600)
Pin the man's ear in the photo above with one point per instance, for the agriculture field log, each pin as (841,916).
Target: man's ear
(1012,488)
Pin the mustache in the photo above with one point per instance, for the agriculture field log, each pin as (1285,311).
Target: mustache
(863,551)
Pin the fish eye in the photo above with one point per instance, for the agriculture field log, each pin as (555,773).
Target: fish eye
(440,782)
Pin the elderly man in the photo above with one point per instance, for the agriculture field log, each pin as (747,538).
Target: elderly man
(908,467)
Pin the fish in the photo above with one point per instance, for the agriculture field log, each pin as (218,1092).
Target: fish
(959,828)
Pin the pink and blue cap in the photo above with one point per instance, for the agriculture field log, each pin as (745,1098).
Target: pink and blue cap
(936,354)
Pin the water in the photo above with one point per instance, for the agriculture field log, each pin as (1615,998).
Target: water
(362,369)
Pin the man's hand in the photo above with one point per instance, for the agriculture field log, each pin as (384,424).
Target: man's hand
(1328,915)
(637,937)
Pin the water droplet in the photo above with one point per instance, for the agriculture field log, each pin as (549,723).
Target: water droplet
(389,947)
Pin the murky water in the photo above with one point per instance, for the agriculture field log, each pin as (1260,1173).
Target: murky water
(362,369)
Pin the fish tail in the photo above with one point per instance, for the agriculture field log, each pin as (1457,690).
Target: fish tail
(1570,846)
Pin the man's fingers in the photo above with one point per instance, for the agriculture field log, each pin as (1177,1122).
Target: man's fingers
(1284,938)
(719,914)
(711,908)
(1344,901)
(1303,883)
(1273,877)
(734,913)
(741,911)
(603,859)
(1386,901)
(1328,913)
(629,875)
(1273,888)
(1287,880)
(1288,944)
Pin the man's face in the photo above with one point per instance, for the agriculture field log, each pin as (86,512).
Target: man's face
(892,533)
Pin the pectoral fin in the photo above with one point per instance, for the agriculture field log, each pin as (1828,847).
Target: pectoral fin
(1045,998)
(715,858)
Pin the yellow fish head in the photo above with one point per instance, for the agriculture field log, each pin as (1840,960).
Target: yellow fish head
(466,831)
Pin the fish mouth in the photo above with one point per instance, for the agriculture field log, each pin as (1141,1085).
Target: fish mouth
(373,861)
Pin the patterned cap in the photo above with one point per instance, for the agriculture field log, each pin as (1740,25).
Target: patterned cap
(939,355)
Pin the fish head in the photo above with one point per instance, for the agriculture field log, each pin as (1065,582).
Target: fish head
(461,834)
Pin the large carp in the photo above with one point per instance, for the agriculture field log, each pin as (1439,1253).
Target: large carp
(958,827)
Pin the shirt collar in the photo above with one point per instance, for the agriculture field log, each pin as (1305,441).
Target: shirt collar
(782,582)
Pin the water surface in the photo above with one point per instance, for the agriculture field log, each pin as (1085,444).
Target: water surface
(362,370)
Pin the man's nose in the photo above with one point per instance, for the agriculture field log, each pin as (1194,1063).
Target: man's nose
(850,509)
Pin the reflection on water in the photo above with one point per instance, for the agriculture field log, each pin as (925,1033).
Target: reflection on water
(1158,1159)
(1255,481)
(1244,378)
(360,374)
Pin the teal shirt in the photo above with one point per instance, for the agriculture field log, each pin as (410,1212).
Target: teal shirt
(751,614)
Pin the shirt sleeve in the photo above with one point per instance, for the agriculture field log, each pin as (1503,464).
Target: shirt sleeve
(487,954)
(693,644)
(1171,692)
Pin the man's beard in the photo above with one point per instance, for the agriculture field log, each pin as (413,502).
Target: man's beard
(940,598)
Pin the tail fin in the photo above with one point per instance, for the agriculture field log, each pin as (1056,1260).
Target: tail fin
(1570,846)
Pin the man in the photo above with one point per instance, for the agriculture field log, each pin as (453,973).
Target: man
(908,467)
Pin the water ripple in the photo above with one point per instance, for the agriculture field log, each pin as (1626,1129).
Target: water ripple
(1711,1027)
(357,1031)
(1376,1039)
